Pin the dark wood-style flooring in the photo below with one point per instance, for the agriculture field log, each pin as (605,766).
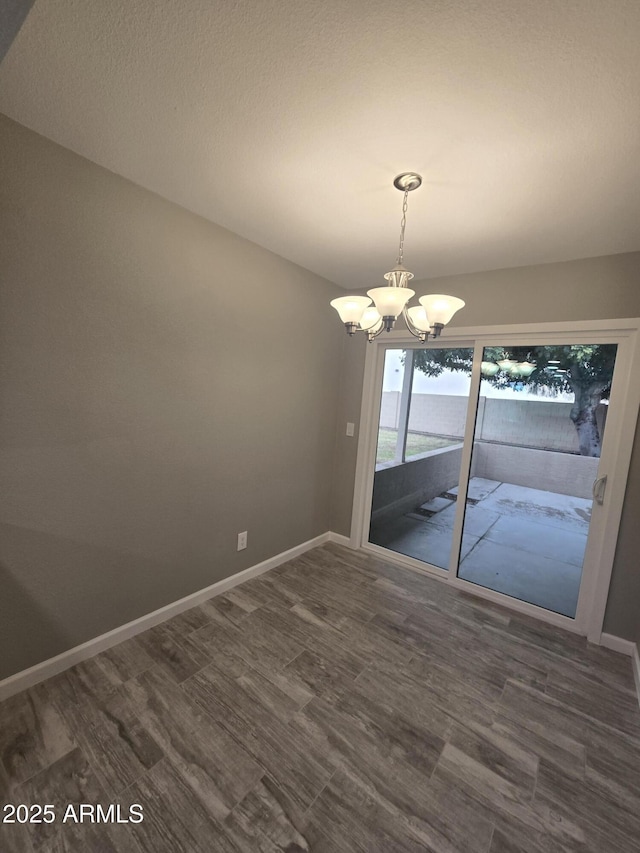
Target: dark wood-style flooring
(338,704)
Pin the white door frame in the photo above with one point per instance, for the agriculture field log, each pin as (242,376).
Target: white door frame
(615,459)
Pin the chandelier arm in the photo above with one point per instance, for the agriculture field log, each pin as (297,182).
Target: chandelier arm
(370,330)
(371,336)
(415,331)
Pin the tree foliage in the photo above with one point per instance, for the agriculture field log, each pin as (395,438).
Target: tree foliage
(586,370)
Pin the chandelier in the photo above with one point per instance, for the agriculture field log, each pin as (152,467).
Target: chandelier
(429,318)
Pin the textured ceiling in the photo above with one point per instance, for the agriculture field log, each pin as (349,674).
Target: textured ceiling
(286,121)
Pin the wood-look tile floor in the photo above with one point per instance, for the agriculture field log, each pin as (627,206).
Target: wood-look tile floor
(337,703)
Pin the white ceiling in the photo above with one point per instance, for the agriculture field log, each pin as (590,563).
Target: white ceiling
(286,121)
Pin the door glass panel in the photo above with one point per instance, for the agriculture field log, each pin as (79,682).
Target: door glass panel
(539,429)
(421,429)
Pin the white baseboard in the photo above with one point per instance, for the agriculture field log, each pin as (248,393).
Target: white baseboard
(617,644)
(339,539)
(48,668)
(626,647)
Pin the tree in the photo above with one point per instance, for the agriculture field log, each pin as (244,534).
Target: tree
(584,369)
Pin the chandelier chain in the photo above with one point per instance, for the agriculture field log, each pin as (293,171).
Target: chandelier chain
(403,222)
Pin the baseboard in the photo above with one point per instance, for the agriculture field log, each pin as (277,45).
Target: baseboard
(617,644)
(48,668)
(626,647)
(339,539)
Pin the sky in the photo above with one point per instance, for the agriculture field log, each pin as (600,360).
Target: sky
(450,382)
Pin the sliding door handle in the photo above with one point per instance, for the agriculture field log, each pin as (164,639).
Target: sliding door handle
(598,489)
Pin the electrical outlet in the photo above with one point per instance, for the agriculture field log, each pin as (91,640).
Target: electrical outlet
(242,540)
(351,428)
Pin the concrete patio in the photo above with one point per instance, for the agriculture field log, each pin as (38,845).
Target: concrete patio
(526,543)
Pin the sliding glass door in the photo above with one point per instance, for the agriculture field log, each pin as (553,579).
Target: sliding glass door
(488,462)
(537,442)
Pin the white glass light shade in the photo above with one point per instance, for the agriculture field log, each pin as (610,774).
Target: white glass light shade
(440,308)
(507,363)
(514,371)
(418,317)
(371,320)
(390,300)
(488,368)
(526,368)
(351,308)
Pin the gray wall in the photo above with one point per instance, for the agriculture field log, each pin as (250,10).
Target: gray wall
(152,402)
(623,609)
(399,488)
(562,473)
(593,288)
(12,16)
